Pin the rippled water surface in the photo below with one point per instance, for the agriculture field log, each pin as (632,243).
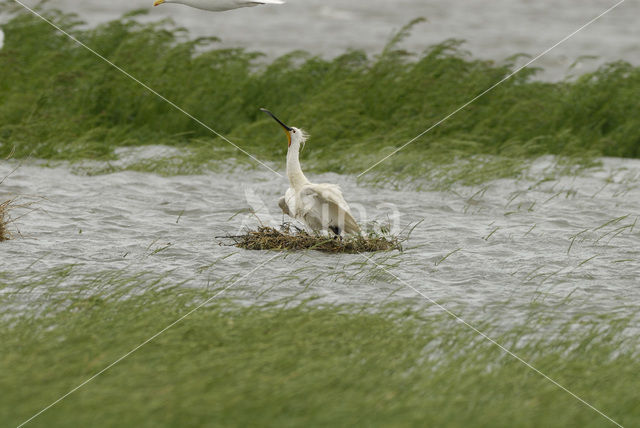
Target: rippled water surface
(495,29)
(514,241)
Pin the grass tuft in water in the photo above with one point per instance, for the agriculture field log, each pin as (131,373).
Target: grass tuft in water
(286,239)
(4,220)
(5,206)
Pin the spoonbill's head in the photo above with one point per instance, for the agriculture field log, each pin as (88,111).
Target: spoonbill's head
(295,136)
(159,2)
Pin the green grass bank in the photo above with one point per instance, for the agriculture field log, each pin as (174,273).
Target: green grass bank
(299,364)
(58,101)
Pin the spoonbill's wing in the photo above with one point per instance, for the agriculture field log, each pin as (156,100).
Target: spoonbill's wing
(287,203)
(322,205)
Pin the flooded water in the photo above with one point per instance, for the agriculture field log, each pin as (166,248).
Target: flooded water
(511,242)
(494,30)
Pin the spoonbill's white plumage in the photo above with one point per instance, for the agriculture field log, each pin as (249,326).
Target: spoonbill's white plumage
(219,5)
(318,206)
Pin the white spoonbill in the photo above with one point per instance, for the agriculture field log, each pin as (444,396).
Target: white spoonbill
(219,5)
(318,206)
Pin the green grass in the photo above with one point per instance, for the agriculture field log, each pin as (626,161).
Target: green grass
(298,364)
(288,363)
(59,102)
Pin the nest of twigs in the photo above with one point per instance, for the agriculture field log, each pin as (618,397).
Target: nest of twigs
(286,239)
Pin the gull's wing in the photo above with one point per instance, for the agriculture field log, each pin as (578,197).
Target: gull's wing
(257,2)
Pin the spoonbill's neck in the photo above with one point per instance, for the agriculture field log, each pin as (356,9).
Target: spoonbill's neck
(294,170)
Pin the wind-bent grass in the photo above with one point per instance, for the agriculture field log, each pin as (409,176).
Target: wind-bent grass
(58,101)
(300,364)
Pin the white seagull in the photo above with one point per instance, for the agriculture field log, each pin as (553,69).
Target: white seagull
(318,206)
(219,5)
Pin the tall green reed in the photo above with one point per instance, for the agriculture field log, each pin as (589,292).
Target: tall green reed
(58,101)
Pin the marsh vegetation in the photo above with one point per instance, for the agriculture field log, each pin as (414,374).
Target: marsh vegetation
(358,108)
(544,264)
(288,363)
